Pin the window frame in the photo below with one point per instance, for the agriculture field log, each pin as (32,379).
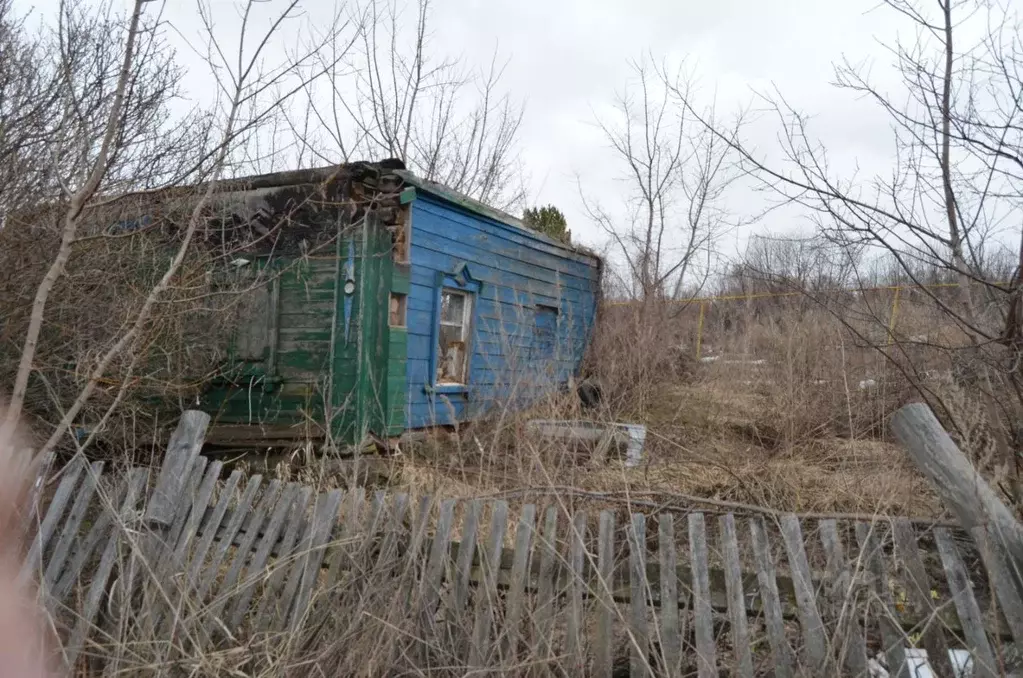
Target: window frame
(461,284)
(544,352)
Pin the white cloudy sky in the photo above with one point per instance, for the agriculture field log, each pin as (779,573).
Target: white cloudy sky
(567,58)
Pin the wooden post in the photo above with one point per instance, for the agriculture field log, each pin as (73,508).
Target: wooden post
(184,446)
(998,534)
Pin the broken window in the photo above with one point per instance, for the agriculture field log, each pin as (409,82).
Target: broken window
(401,235)
(545,331)
(399,304)
(453,337)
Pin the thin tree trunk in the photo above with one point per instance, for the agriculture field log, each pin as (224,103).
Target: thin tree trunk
(71,220)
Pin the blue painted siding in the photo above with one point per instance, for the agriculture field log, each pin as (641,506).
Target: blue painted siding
(517,272)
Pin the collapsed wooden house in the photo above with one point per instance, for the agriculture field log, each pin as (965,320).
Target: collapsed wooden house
(378,302)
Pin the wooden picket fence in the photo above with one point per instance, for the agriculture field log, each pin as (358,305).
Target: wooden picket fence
(450,587)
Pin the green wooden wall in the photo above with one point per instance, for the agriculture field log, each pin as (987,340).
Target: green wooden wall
(293,367)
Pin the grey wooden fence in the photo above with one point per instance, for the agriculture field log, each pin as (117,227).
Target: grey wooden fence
(480,586)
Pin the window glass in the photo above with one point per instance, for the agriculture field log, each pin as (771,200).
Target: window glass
(453,337)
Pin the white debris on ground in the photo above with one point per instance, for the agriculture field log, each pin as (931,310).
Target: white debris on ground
(630,436)
(920,667)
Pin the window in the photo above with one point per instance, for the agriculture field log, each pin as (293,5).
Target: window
(401,233)
(453,337)
(545,331)
(399,304)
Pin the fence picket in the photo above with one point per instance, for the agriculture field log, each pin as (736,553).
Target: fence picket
(638,663)
(206,577)
(547,602)
(736,597)
(703,615)
(517,582)
(604,660)
(854,646)
(574,647)
(256,566)
(69,534)
(970,617)
(486,591)
(307,568)
(814,639)
(781,652)
(891,634)
(434,574)
(210,525)
(670,633)
(54,513)
(917,585)
(98,586)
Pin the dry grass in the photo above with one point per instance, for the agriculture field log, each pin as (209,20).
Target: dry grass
(787,410)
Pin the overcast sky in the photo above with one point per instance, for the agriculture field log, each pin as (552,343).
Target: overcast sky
(566,59)
(569,57)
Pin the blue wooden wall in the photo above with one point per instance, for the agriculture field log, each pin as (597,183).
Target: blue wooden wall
(517,272)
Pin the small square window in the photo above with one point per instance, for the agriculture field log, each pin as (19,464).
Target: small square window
(453,337)
(399,305)
(545,331)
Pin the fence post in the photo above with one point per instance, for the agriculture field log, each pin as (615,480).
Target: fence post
(998,534)
(184,446)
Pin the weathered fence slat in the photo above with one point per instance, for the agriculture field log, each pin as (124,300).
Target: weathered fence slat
(434,574)
(546,600)
(177,595)
(98,586)
(842,610)
(185,506)
(463,562)
(54,513)
(69,534)
(640,645)
(604,661)
(517,582)
(917,586)
(206,577)
(273,607)
(182,450)
(210,526)
(253,524)
(307,568)
(891,634)
(736,597)
(814,638)
(486,592)
(1004,577)
(966,605)
(703,619)
(781,652)
(669,630)
(386,560)
(342,558)
(412,561)
(84,548)
(577,553)
(257,566)
(971,498)
(199,507)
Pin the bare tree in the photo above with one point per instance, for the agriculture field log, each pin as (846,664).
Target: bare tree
(111,137)
(393,97)
(950,201)
(676,173)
